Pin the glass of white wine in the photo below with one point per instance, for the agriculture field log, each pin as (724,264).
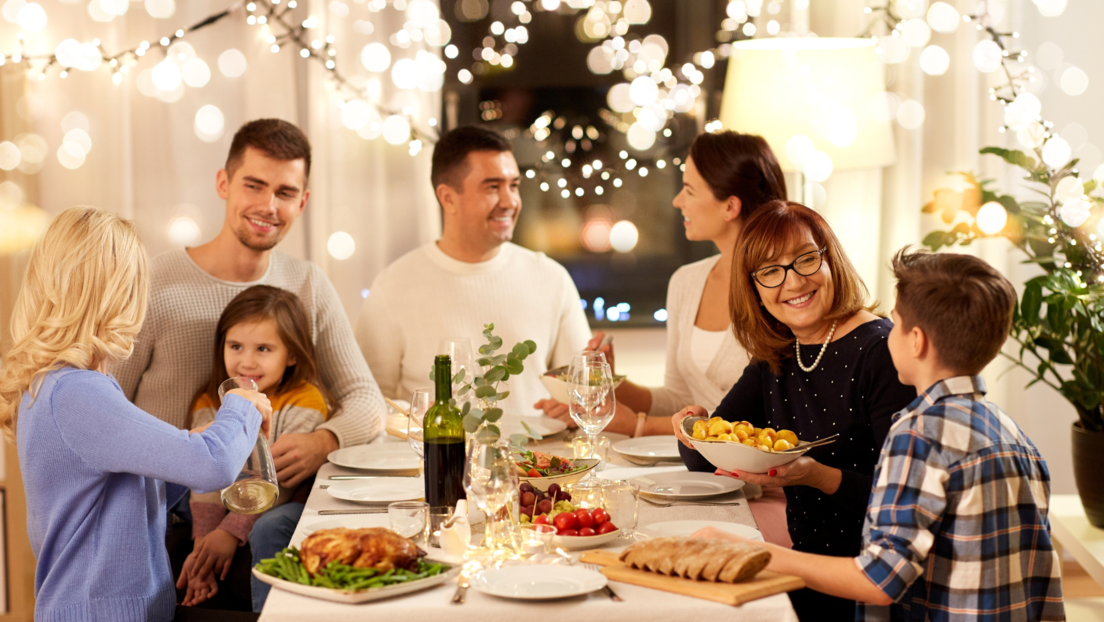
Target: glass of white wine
(255,489)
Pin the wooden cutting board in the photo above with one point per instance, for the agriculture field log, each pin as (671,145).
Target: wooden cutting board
(764,584)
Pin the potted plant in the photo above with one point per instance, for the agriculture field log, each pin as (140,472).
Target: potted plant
(1058,323)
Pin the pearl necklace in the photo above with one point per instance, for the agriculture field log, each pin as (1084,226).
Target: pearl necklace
(797,347)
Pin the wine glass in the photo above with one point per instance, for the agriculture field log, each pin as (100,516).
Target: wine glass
(255,489)
(491,482)
(463,358)
(420,402)
(591,399)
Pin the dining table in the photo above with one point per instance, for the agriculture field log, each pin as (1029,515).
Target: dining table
(638,604)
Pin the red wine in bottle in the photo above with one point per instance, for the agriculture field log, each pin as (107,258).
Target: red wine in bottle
(444,446)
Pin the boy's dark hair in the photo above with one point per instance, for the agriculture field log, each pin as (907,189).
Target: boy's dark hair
(450,155)
(961,303)
(275,138)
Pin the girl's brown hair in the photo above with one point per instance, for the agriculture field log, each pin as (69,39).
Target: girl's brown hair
(765,237)
(259,303)
(741,166)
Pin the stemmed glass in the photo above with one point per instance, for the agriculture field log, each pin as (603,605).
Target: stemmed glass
(255,489)
(591,399)
(491,483)
(420,402)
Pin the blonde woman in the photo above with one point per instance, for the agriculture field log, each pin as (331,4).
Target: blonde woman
(92,462)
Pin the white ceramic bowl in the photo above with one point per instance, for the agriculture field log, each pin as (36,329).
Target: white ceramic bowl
(732,456)
(575,543)
(542,483)
(557,388)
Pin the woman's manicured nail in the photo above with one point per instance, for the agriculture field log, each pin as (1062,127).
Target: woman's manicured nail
(772,472)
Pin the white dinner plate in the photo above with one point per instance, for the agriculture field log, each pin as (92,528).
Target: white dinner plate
(360,596)
(616,473)
(377,457)
(545,426)
(649,448)
(379,490)
(538,582)
(687,527)
(685,485)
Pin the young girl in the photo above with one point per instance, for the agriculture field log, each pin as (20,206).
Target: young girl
(263,335)
(93,464)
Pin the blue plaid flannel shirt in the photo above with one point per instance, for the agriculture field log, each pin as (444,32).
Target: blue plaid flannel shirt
(957,528)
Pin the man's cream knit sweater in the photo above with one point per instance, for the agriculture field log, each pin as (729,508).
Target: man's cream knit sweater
(175,349)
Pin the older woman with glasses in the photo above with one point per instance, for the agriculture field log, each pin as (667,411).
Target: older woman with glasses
(820,366)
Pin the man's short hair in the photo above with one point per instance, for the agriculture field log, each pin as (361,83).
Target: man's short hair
(275,138)
(961,303)
(450,155)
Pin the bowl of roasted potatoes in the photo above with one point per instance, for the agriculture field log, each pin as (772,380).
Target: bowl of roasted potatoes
(738,445)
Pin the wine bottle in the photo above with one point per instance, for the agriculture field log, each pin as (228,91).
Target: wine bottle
(444,442)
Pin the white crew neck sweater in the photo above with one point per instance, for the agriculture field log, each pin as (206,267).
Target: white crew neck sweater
(173,352)
(426,296)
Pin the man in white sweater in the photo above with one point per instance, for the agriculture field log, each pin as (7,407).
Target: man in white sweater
(470,277)
(264,184)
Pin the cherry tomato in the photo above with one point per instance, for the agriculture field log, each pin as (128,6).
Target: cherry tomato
(600,516)
(566,520)
(568,532)
(606,527)
(584,518)
(533,473)
(541,519)
(587,531)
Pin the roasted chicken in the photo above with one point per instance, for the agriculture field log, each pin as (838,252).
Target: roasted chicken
(373,547)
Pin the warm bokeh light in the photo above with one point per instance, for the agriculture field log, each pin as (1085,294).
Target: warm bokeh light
(341,245)
(991,218)
(624,236)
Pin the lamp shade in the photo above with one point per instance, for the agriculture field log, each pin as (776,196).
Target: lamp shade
(828,92)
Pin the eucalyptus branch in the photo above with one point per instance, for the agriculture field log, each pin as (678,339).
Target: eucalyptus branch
(1039,378)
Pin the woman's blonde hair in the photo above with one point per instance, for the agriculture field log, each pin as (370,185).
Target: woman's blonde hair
(82,303)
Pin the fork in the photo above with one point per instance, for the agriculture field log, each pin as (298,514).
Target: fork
(596,568)
(667,504)
(462,583)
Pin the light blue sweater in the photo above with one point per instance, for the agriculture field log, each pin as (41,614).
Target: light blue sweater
(93,465)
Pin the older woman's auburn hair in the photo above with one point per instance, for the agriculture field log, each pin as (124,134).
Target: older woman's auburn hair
(765,237)
(82,303)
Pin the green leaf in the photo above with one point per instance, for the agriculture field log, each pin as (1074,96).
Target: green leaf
(495,342)
(1032,301)
(464,390)
(486,349)
(514,366)
(498,360)
(503,395)
(466,408)
(520,351)
(554,462)
(533,434)
(496,374)
(532,345)
(488,435)
(1017,158)
(472,423)
(519,440)
(935,240)
(483,362)
(493,414)
(476,412)
(485,391)
(459,377)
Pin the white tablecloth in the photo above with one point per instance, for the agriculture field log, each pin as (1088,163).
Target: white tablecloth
(640,604)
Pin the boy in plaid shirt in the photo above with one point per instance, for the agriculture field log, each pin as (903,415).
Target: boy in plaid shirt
(956,528)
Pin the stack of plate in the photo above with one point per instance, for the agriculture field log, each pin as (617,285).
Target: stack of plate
(649,450)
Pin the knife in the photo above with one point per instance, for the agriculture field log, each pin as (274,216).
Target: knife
(462,583)
(366,511)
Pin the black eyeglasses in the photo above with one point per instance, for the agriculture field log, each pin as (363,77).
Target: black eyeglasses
(805,265)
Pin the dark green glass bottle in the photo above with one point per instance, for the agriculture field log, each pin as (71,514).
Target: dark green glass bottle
(444,442)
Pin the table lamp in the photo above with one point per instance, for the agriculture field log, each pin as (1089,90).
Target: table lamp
(829,90)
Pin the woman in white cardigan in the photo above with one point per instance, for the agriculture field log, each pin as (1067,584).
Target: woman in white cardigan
(728,176)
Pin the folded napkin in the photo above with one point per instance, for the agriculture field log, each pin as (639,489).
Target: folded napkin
(456,532)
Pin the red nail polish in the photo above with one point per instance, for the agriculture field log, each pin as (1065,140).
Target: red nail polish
(772,472)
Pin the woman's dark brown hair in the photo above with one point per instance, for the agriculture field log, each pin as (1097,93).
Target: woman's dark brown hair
(741,166)
(768,234)
(264,302)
